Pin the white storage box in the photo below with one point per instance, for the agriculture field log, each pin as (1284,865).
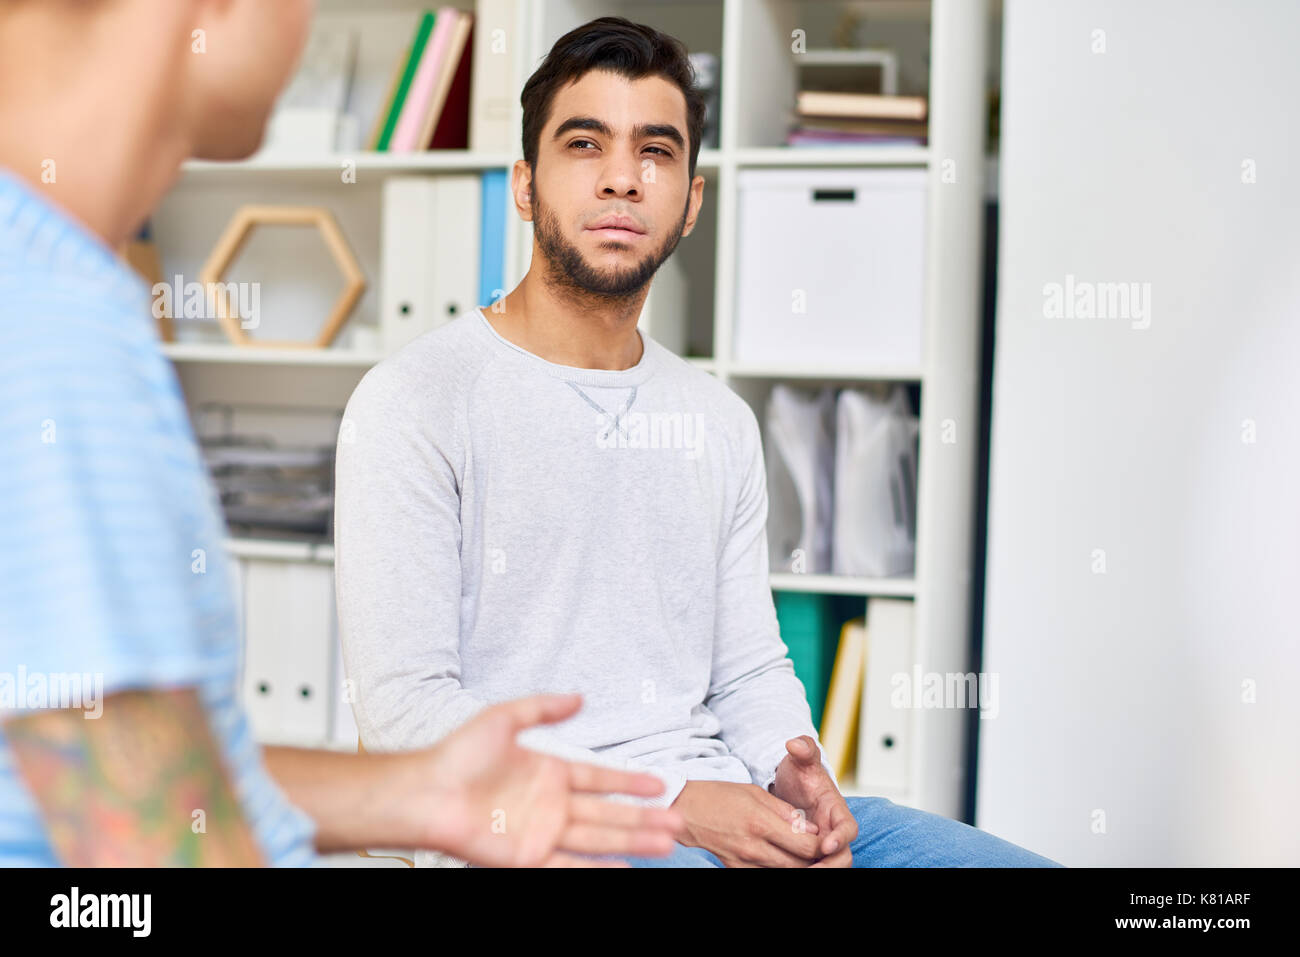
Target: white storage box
(830,267)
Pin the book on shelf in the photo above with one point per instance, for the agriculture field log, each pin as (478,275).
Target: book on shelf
(453,87)
(495,77)
(827,118)
(428,104)
(820,138)
(399,89)
(862,106)
(446,126)
(839,729)
(826,124)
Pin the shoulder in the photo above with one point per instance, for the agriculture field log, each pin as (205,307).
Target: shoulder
(88,368)
(726,411)
(429,376)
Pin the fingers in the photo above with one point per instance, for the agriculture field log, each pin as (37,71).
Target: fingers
(841,858)
(606,827)
(796,818)
(773,853)
(540,709)
(599,839)
(789,841)
(594,778)
(842,830)
(803,749)
(837,840)
(585,809)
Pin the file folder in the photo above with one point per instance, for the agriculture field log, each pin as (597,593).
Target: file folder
(431,243)
(289,615)
(885,736)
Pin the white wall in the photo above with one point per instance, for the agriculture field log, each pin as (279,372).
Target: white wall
(1122,691)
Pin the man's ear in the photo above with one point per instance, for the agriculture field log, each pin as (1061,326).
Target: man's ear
(522,187)
(694,202)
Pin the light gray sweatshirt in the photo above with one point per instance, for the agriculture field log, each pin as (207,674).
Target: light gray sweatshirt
(507,526)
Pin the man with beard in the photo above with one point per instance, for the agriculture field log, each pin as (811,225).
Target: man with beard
(537,497)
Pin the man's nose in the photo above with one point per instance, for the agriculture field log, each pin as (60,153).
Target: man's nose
(622,175)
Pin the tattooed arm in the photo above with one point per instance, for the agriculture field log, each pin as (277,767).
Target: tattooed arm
(123,790)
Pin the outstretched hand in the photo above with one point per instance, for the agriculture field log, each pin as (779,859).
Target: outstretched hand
(502,805)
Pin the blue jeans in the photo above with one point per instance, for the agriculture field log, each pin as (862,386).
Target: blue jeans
(891,835)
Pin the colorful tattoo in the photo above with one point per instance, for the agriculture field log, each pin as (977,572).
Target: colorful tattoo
(142,785)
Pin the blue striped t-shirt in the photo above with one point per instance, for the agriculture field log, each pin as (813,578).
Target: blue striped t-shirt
(112,562)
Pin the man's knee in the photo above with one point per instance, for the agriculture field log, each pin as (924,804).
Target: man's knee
(900,836)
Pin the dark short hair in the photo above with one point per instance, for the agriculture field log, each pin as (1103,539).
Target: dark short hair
(632,50)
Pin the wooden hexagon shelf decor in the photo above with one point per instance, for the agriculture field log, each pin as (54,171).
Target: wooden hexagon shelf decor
(245,220)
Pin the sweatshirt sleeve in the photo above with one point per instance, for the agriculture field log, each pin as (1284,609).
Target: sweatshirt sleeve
(397,538)
(753,690)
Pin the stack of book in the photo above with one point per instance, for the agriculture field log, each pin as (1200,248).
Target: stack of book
(858,119)
(267,490)
(428,102)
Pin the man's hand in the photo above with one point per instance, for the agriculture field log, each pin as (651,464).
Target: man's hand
(744,826)
(503,805)
(802,781)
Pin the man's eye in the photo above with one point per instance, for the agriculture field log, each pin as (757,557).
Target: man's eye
(657,149)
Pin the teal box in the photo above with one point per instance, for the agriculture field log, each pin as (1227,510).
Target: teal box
(810,627)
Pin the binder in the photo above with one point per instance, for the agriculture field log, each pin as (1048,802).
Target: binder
(840,721)
(289,614)
(492,256)
(430,251)
(885,736)
(494,85)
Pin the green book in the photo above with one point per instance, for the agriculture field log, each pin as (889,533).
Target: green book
(408,74)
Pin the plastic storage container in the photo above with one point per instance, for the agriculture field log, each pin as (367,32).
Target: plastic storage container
(830,267)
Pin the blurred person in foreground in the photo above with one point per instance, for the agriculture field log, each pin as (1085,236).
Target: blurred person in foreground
(104,502)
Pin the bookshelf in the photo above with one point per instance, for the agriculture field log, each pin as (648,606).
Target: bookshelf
(751,38)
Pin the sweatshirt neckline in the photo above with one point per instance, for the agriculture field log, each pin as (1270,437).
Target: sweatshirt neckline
(595,377)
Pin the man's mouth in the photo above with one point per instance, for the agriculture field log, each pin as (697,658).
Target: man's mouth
(617,227)
(617,234)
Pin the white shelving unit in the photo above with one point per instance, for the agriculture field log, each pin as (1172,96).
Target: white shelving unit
(752,39)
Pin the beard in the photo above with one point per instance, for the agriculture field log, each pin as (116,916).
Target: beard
(567,269)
